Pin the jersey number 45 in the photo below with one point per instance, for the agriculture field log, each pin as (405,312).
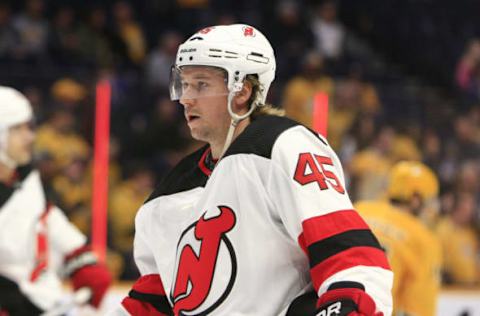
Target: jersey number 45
(312,168)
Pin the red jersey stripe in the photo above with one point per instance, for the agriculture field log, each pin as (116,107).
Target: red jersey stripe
(77,252)
(303,245)
(41,256)
(202,165)
(324,226)
(356,256)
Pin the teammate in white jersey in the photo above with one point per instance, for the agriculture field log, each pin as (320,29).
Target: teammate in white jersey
(258,221)
(38,244)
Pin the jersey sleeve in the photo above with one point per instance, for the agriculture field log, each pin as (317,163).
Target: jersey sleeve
(63,235)
(147,295)
(143,254)
(307,187)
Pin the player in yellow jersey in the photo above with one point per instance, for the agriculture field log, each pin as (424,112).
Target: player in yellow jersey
(413,250)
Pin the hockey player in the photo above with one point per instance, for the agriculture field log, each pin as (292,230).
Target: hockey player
(258,221)
(37,242)
(413,250)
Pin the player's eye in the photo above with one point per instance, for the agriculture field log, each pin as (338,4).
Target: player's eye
(201,86)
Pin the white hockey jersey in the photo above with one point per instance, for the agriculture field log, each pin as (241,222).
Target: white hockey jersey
(269,223)
(34,239)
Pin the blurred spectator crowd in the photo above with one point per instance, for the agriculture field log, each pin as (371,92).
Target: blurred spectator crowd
(55,52)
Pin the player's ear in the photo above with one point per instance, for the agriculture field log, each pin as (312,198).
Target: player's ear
(242,97)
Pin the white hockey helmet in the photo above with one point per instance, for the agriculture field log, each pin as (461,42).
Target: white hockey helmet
(238,49)
(14,109)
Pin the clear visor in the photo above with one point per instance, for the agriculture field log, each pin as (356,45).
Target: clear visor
(195,82)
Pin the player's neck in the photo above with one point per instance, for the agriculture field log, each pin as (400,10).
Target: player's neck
(217,147)
(6,173)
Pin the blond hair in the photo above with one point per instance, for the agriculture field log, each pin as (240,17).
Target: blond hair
(264,109)
(260,110)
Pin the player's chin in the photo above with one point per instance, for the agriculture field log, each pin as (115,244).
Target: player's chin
(195,133)
(198,134)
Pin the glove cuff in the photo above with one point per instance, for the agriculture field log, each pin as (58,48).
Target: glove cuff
(348,301)
(77,259)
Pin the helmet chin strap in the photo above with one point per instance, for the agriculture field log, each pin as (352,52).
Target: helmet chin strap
(235,118)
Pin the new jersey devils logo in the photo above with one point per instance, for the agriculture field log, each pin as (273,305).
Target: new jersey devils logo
(206,265)
(248,31)
(205,30)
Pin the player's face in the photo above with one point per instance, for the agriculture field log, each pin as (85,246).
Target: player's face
(204,99)
(20,143)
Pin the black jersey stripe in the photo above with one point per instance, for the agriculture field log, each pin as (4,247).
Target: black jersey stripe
(317,136)
(324,249)
(14,301)
(346,285)
(260,136)
(159,302)
(185,176)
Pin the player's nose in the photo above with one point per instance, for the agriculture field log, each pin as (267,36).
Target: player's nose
(187,102)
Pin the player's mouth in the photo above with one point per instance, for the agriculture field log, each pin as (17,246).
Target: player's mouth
(192,118)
